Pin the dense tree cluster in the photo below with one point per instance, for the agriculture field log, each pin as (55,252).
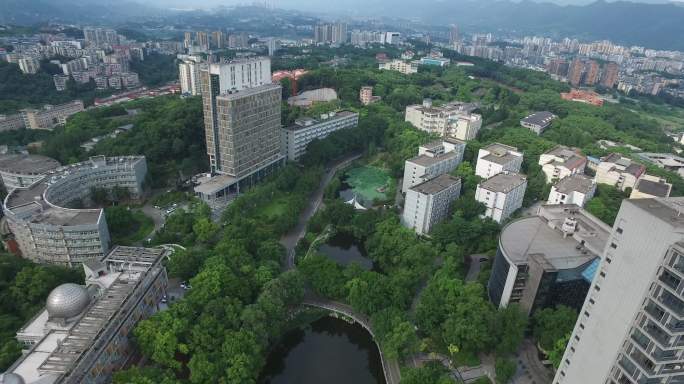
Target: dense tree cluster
(156,69)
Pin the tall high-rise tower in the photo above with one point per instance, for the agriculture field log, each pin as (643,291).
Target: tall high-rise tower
(631,327)
(241,120)
(575,72)
(610,75)
(454,36)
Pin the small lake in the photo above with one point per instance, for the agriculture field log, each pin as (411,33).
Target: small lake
(329,351)
(344,249)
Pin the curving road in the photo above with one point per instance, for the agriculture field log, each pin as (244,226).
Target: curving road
(290,239)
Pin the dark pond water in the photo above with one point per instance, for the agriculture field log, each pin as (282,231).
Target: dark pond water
(329,351)
(344,249)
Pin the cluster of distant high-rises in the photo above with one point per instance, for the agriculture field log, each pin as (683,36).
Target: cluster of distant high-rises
(331,33)
(586,72)
(216,39)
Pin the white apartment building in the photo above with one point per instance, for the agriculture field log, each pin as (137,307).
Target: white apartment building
(619,171)
(20,171)
(240,74)
(48,231)
(629,329)
(496,158)
(405,67)
(428,203)
(502,194)
(29,65)
(434,159)
(50,115)
(294,139)
(573,189)
(561,162)
(454,119)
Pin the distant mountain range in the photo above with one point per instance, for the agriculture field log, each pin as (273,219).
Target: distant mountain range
(658,26)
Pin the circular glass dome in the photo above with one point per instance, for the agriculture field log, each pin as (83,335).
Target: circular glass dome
(12,378)
(67,300)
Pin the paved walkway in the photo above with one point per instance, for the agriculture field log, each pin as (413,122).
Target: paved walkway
(530,369)
(475,266)
(290,239)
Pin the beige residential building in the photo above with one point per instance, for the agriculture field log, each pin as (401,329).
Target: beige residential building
(454,119)
(619,171)
(405,67)
(11,122)
(51,116)
(434,159)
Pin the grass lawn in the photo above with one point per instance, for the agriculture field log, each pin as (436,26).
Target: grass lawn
(366,180)
(275,208)
(140,227)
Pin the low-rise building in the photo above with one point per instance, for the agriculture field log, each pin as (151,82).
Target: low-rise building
(21,171)
(561,162)
(573,189)
(548,259)
(496,158)
(428,203)
(650,187)
(434,159)
(309,98)
(11,122)
(454,119)
(619,171)
(51,115)
(502,194)
(296,137)
(435,61)
(44,221)
(82,335)
(538,121)
(667,161)
(587,97)
(366,95)
(405,67)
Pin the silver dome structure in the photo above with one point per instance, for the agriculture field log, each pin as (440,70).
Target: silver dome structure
(67,301)
(12,378)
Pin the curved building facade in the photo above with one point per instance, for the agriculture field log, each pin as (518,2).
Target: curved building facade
(20,171)
(548,259)
(48,231)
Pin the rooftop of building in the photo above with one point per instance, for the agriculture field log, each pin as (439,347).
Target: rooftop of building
(63,344)
(306,122)
(625,164)
(498,149)
(571,157)
(542,119)
(668,160)
(209,185)
(453,140)
(653,188)
(669,209)
(565,235)
(235,95)
(27,164)
(436,185)
(32,198)
(575,183)
(504,182)
(426,161)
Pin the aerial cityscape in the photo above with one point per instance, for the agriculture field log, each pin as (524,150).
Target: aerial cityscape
(471,192)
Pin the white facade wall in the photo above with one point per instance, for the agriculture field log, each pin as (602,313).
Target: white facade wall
(500,205)
(294,141)
(574,197)
(605,174)
(422,211)
(639,251)
(404,67)
(242,74)
(486,169)
(464,126)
